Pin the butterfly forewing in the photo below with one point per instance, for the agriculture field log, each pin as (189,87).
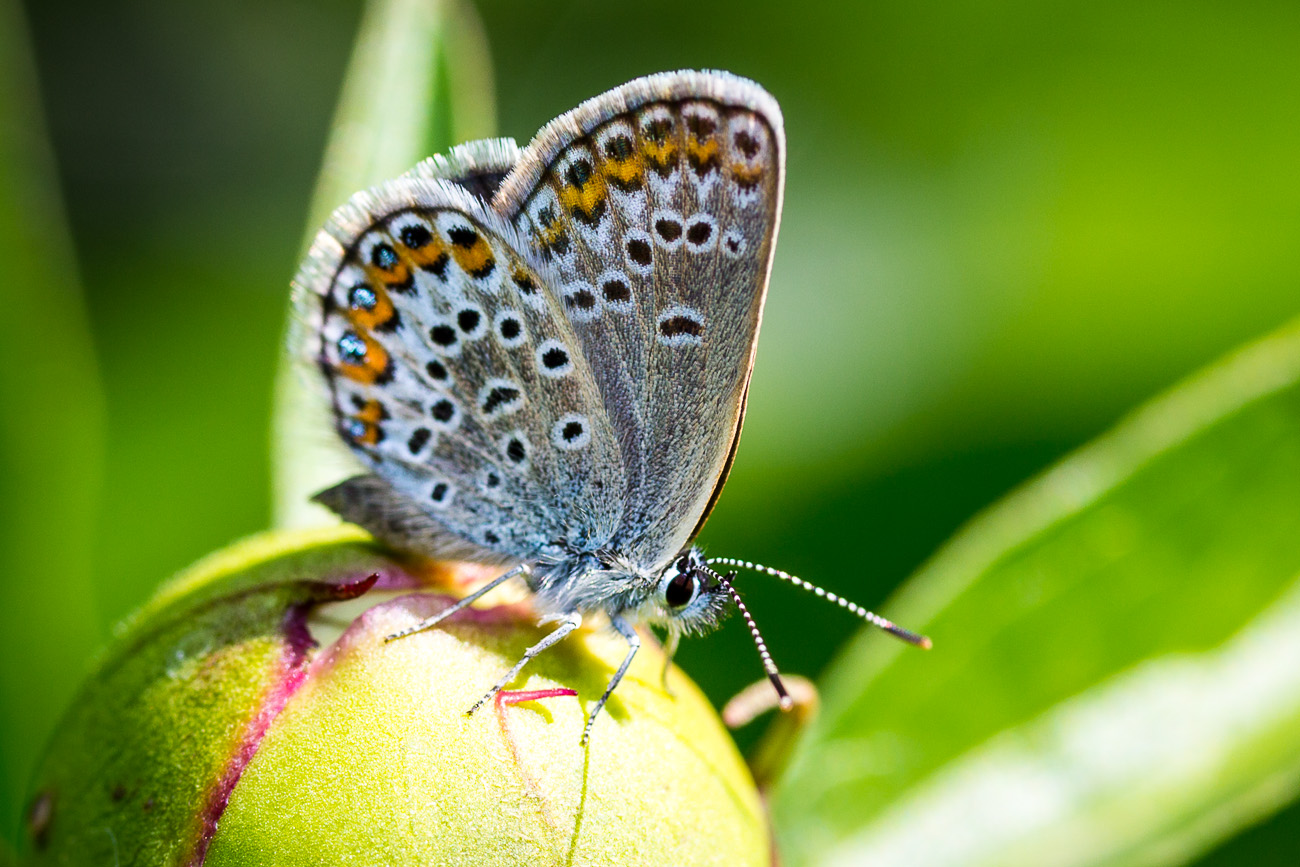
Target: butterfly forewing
(454,375)
(543,354)
(656,207)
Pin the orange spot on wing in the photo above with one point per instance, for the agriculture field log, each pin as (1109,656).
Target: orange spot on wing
(701,142)
(476,260)
(376,317)
(552,234)
(702,153)
(659,143)
(661,154)
(747,176)
(371,368)
(427,256)
(587,201)
(626,174)
(370,416)
(397,276)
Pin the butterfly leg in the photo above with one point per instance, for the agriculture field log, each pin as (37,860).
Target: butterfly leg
(522,569)
(570,622)
(633,645)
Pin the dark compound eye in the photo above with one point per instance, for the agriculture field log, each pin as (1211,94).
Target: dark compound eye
(681,590)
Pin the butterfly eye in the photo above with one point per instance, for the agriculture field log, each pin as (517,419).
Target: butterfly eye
(680,590)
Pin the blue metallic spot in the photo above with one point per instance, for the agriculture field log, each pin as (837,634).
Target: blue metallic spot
(352,349)
(383,256)
(355,428)
(362,297)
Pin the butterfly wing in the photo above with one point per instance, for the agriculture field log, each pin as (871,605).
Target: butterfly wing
(657,204)
(454,376)
(478,167)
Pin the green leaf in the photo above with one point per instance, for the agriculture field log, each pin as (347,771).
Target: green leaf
(50,405)
(1116,670)
(419,77)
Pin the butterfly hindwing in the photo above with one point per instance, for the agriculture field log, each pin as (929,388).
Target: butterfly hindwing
(656,205)
(478,167)
(453,374)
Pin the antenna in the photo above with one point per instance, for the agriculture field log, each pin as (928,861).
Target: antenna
(769,666)
(874,619)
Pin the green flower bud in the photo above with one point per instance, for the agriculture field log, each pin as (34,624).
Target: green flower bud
(228,725)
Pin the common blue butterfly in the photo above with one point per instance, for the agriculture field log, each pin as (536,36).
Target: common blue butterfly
(542,354)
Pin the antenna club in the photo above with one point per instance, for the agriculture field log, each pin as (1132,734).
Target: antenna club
(784,701)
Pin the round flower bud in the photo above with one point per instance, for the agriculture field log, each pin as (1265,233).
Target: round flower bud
(253,713)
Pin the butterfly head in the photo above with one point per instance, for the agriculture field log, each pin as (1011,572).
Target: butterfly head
(690,596)
(693,596)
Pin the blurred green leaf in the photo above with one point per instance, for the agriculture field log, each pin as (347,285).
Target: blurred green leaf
(400,102)
(51,434)
(1116,672)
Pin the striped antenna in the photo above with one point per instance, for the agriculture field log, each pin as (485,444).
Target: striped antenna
(769,666)
(874,619)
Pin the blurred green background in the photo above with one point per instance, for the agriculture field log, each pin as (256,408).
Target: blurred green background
(1005,225)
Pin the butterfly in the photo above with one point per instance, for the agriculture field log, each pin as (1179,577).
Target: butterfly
(542,354)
